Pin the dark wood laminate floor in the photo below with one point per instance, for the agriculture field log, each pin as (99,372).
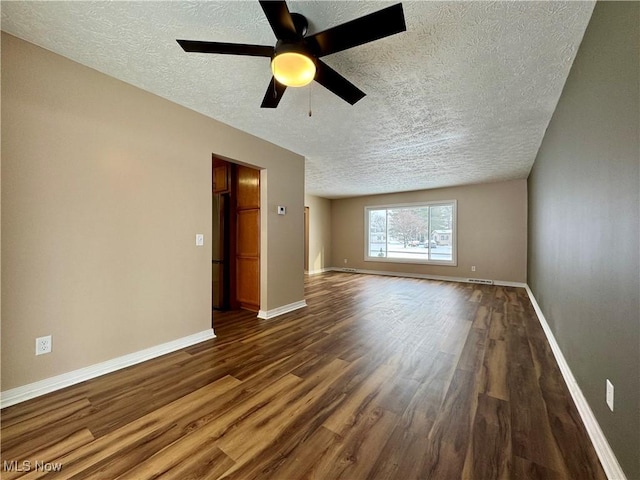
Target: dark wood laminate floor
(378,378)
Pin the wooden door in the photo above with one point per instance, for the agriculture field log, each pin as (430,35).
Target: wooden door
(248,237)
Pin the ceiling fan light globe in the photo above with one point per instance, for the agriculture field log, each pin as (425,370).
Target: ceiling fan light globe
(293,69)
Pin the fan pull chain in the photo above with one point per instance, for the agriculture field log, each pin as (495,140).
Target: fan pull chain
(309,100)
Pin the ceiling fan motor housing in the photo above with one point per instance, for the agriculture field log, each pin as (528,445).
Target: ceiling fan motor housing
(292,46)
(300,23)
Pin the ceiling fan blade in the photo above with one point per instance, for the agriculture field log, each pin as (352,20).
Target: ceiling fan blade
(273,94)
(279,18)
(336,83)
(374,26)
(226,48)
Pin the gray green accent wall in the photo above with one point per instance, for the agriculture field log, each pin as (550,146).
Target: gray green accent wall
(584,211)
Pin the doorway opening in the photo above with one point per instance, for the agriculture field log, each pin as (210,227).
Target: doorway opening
(236,236)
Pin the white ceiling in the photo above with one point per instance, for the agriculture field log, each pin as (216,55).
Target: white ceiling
(463,96)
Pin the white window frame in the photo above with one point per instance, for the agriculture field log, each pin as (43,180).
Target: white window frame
(454,233)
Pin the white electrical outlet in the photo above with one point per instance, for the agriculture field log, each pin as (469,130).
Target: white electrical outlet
(473,268)
(43,345)
(345,260)
(610,394)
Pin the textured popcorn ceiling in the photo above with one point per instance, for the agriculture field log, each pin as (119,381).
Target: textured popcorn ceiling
(464,96)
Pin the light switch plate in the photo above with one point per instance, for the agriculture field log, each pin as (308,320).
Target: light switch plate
(199,239)
(282,210)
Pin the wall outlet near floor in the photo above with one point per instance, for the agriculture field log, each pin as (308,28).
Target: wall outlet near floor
(610,394)
(473,268)
(43,345)
(345,260)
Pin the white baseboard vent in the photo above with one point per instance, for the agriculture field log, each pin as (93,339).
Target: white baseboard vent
(480,280)
(501,283)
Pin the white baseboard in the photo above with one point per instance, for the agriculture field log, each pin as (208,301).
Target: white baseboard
(48,385)
(321,270)
(502,283)
(268,314)
(600,444)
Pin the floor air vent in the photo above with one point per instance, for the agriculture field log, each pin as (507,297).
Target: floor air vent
(480,280)
(350,270)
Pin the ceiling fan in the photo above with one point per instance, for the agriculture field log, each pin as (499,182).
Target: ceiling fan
(295,59)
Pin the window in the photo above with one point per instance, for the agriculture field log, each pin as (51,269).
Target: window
(413,233)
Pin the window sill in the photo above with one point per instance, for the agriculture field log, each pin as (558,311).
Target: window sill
(443,263)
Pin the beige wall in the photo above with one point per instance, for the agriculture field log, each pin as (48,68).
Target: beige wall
(492,231)
(104,187)
(319,233)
